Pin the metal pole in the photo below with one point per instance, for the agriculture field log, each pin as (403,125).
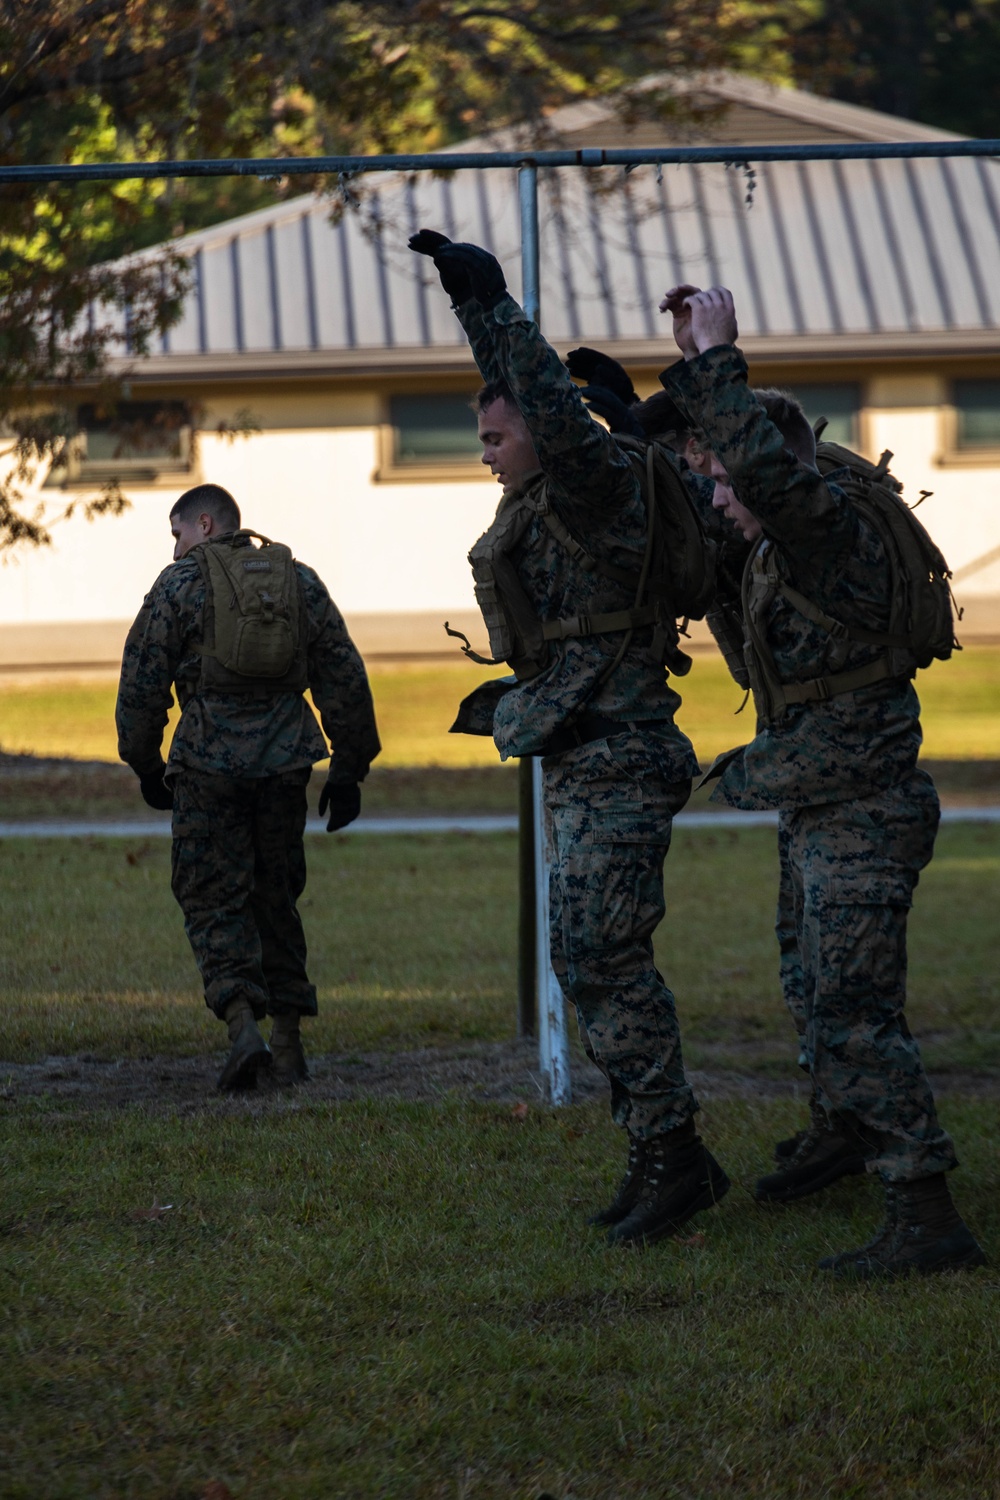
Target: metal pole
(553,1049)
(456,161)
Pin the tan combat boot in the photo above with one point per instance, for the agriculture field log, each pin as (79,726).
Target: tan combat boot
(286,1049)
(249,1052)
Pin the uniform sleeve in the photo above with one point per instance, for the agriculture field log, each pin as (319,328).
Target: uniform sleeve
(153,650)
(339,685)
(814,523)
(594,479)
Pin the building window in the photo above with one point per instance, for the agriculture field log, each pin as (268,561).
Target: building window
(977,414)
(840,403)
(433,429)
(429,437)
(133,441)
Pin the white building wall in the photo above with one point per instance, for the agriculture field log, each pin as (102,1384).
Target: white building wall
(381,548)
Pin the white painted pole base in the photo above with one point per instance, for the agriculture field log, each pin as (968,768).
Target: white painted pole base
(553,1042)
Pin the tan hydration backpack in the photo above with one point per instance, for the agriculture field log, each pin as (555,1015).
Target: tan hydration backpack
(254,617)
(921,615)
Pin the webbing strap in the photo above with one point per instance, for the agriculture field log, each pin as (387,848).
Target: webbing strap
(819,689)
(837,628)
(606,624)
(580,555)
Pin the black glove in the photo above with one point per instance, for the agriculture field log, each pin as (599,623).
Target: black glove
(617,415)
(155,792)
(454,279)
(482,269)
(598,369)
(343,802)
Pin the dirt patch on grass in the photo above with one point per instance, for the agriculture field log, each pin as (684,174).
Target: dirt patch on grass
(498,1072)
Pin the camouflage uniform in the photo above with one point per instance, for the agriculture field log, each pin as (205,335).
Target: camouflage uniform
(238,766)
(611,799)
(857,818)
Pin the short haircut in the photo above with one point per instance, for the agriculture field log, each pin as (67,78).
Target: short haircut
(494,390)
(660,417)
(209,499)
(785,411)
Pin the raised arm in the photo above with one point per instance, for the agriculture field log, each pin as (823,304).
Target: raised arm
(814,523)
(573,450)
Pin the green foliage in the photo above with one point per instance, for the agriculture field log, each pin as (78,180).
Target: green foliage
(95,80)
(930,60)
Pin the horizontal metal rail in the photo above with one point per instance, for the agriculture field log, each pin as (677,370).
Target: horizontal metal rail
(460,161)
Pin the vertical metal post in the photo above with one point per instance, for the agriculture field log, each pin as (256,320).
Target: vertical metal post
(553,1049)
(527,922)
(527,932)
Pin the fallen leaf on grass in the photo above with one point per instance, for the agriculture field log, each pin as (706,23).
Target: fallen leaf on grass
(216,1489)
(520,1111)
(155,1213)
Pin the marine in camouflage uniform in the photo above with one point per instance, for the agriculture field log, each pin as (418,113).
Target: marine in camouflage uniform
(615,766)
(857,816)
(236,779)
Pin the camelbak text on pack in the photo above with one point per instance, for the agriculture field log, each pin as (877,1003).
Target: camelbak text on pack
(921,618)
(254,619)
(676,579)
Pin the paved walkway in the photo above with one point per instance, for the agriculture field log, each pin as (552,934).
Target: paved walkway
(160,827)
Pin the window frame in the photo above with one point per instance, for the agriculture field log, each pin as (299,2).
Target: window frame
(389,470)
(952,455)
(75,471)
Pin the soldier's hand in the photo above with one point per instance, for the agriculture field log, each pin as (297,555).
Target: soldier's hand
(676,303)
(155,792)
(343,802)
(597,369)
(454,279)
(713,318)
(614,411)
(483,270)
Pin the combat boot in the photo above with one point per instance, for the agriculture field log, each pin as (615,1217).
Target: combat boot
(628,1189)
(286,1049)
(679,1178)
(823,1155)
(249,1052)
(924,1233)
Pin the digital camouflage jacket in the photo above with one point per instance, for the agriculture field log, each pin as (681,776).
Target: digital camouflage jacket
(236,734)
(853,744)
(591,486)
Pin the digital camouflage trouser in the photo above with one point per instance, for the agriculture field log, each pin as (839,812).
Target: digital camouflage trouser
(238,868)
(848,872)
(612,809)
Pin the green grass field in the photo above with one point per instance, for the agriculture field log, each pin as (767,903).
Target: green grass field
(416,704)
(381,1297)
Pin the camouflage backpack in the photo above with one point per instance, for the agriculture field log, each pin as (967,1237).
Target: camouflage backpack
(254,636)
(921,617)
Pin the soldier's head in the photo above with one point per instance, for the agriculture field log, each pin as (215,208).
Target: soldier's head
(508,447)
(662,419)
(200,514)
(785,411)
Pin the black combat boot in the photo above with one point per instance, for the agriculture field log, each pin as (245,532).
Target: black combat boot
(249,1053)
(823,1155)
(923,1233)
(628,1189)
(286,1049)
(679,1178)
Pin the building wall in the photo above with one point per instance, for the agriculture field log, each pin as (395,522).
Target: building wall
(394,553)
